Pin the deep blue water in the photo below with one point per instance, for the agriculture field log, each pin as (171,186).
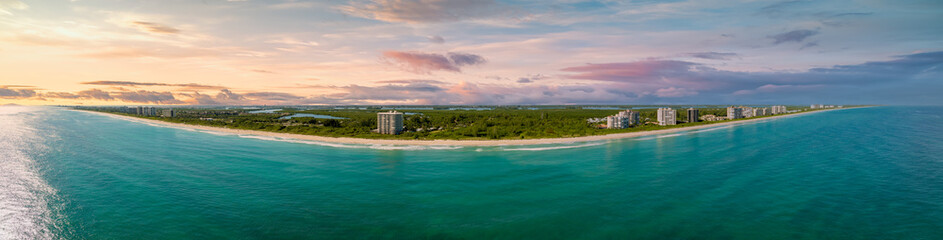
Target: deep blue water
(874,173)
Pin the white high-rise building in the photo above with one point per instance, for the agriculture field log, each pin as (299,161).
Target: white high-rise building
(760,112)
(734,113)
(747,112)
(667,116)
(632,116)
(390,122)
(777,110)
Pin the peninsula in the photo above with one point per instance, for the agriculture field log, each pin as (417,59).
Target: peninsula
(452,126)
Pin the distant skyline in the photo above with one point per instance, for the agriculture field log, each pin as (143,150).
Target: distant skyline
(451,52)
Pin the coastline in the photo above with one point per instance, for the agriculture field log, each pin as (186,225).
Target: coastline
(505,142)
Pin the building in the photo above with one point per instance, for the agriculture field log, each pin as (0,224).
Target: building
(777,110)
(760,112)
(667,116)
(390,122)
(617,122)
(734,113)
(632,116)
(167,113)
(623,119)
(746,111)
(693,115)
(711,118)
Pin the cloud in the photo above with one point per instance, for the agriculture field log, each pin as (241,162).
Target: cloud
(137,84)
(462,59)
(793,36)
(640,71)
(11,92)
(714,55)
(426,81)
(157,52)
(425,63)
(436,39)
(530,79)
(293,41)
(773,88)
(155,27)
(674,92)
(292,5)
(426,11)
(142,96)
(94,94)
(678,79)
(7,5)
(914,77)
(778,9)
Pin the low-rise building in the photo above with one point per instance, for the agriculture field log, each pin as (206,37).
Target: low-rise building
(711,118)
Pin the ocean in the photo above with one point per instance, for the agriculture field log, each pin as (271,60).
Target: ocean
(870,173)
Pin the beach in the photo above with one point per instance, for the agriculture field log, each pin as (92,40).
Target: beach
(540,141)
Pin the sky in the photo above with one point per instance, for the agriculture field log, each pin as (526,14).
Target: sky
(470,52)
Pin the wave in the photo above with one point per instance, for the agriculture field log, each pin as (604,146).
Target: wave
(554,147)
(712,129)
(669,135)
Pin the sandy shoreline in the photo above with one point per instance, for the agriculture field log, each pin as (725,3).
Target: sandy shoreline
(364,141)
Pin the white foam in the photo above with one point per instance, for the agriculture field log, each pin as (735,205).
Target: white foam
(669,135)
(712,129)
(554,147)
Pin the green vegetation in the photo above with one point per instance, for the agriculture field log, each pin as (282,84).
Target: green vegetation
(429,123)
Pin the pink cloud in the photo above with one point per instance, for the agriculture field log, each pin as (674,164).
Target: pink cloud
(640,71)
(674,92)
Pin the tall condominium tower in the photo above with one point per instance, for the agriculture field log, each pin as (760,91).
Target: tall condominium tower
(693,115)
(390,122)
(667,116)
(734,113)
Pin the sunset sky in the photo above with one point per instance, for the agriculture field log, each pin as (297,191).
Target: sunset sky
(251,52)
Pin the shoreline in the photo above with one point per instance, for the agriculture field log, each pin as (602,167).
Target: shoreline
(366,141)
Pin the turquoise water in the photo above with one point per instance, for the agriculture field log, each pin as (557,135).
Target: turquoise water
(874,173)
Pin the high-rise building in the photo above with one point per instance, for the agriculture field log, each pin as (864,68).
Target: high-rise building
(734,113)
(167,113)
(760,112)
(693,115)
(777,110)
(667,116)
(632,116)
(623,119)
(390,122)
(747,112)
